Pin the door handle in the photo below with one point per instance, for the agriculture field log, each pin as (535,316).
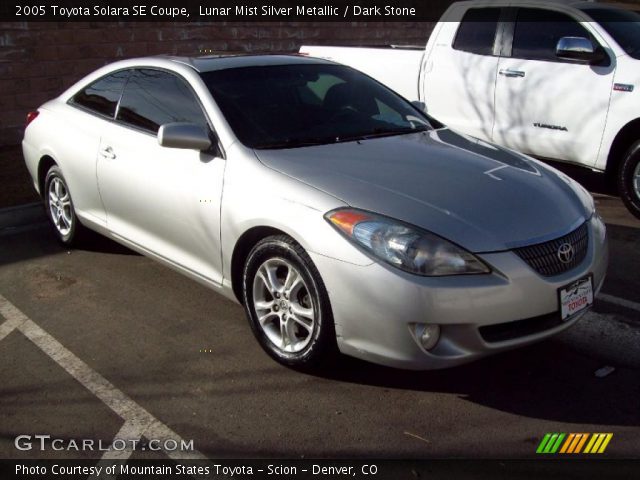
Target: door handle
(511,73)
(107,153)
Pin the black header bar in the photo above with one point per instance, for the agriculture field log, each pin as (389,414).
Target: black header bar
(224,10)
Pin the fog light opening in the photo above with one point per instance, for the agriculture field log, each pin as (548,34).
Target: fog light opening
(427,335)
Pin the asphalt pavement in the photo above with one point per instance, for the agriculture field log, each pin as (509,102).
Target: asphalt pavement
(100,343)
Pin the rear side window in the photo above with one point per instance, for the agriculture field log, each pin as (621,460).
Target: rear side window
(102,96)
(477,31)
(537,32)
(153,98)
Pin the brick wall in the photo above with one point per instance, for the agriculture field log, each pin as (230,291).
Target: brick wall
(39,60)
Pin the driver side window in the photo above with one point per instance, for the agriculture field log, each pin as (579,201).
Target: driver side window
(152,98)
(537,32)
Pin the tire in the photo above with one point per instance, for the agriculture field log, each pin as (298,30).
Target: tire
(629,179)
(59,208)
(287,304)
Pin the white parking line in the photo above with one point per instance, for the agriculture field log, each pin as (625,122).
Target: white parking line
(138,421)
(13,318)
(622,302)
(128,431)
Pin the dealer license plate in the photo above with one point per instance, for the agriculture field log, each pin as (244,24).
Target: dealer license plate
(576,297)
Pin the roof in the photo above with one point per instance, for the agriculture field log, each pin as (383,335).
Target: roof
(222,62)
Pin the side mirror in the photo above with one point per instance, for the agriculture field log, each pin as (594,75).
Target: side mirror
(184,135)
(579,48)
(419,105)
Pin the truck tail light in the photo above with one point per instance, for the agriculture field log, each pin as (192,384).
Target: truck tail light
(31,116)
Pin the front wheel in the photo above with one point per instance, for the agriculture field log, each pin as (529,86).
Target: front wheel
(287,304)
(629,179)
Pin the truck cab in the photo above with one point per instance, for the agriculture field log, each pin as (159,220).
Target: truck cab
(556,80)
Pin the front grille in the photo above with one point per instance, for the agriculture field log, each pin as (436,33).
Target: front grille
(501,332)
(544,258)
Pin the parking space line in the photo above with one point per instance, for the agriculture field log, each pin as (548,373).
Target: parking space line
(622,302)
(128,431)
(13,318)
(7,327)
(138,421)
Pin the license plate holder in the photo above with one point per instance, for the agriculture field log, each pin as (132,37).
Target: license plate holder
(575,297)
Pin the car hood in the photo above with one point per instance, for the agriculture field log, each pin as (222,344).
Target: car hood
(483,197)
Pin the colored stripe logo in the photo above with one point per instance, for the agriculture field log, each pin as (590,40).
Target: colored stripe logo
(574,443)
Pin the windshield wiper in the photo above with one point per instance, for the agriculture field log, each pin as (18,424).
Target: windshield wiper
(311,141)
(296,143)
(378,133)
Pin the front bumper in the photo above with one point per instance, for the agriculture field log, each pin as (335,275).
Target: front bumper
(374,307)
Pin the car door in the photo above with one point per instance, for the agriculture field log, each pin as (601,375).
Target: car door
(165,201)
(545,105)
(460,74)
(89,113)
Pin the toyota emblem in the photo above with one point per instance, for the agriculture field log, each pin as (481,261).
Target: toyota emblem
(565,253)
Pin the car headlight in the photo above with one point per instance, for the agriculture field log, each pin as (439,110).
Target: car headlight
(404,246)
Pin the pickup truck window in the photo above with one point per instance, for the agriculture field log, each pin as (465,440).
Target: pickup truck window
(622,25)
(289,106)
(477,31)
(537,32)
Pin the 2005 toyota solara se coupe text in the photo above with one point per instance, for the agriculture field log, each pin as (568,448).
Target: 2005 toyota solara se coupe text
(341,216)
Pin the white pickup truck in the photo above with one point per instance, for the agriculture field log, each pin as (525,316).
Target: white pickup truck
(559,80)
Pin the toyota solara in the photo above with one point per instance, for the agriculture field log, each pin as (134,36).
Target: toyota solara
(341,216)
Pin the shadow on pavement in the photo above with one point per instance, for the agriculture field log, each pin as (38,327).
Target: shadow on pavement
(543,381)
(39,240)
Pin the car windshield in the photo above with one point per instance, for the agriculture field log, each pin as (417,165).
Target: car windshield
(289,106)
(622,25)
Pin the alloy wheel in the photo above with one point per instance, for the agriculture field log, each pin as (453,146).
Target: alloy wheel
(283,305)
(60,206)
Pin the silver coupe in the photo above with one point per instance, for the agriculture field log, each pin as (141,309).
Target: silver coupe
(341,216)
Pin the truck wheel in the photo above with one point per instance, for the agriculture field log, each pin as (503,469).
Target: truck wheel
(629,179)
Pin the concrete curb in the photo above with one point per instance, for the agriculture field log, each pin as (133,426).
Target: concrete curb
(22,215)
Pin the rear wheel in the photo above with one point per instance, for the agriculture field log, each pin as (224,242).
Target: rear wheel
(629,179)
(287,304)
(59,206)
